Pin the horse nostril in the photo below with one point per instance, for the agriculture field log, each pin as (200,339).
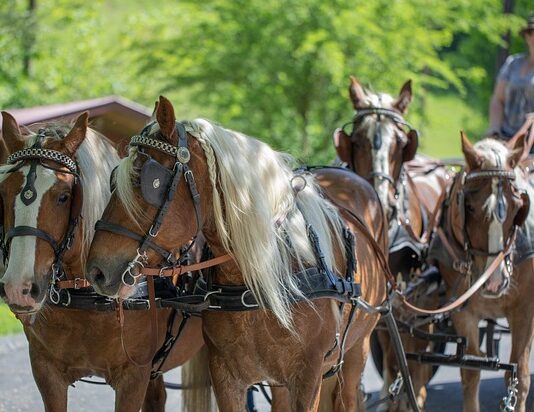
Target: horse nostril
(34,291)
(2,291)
(97,276)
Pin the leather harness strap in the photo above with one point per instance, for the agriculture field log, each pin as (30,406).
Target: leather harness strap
(471,291)
(76,283)
(178,270)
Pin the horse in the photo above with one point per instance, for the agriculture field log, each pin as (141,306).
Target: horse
(485,233)
(381,147)
(53,174)
(269,228)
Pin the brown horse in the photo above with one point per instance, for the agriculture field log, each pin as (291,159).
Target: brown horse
(488,201)
(381,148)
(250,205)
(41,189)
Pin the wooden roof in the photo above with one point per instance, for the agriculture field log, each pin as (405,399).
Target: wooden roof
(115,117)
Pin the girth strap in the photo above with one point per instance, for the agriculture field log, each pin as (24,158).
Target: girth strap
(312,282)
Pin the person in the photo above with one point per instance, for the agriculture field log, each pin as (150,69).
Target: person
(513,97)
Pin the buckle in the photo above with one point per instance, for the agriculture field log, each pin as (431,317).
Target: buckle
(247,305)
(213,292)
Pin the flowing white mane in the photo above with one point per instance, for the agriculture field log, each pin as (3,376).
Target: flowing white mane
(263,224)
(96,159)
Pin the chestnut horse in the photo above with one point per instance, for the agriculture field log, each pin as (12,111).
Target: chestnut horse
(488,201)
(249,204)
(40,199)
(381,147)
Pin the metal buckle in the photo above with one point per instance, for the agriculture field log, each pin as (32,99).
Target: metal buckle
(213,292)
(150,231)
(140,259)
(255,305)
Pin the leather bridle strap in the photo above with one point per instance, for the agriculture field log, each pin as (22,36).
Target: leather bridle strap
(32,231)
(120,230)
(178,270)
(471,291)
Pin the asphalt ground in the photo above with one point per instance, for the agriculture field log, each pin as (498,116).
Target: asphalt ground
(18,392)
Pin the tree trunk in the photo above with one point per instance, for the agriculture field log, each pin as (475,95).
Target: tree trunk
(503,52)
(29,38)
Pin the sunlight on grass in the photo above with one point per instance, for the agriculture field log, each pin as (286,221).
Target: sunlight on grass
(8,323)
(445,117)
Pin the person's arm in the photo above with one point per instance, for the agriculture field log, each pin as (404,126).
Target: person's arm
(496,109)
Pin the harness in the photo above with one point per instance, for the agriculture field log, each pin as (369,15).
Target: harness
(35,155)
(158,186)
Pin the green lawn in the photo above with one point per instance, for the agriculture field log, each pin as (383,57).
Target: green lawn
(446,115)
(8,323)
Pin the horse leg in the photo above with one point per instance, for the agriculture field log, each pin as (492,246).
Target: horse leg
(305,387)
(466,325)
(521,328)
(280,399)
(51,385)
(130,386)
(155,395)
(347,395)
(230,391)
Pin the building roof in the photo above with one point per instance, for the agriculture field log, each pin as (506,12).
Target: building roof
(115,117)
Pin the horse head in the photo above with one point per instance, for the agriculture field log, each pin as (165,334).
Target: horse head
(380,140)
(41,204)
(489,200)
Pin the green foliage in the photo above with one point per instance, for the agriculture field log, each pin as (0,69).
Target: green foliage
(8,323)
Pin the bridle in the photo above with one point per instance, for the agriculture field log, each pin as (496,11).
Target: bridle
(35,155)
(401,124)
(458,193)
(158,186)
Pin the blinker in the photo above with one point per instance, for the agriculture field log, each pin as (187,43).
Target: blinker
(155,180)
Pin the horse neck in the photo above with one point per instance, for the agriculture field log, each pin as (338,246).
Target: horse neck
(73,259)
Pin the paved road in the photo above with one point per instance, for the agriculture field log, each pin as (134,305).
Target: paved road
(18,392)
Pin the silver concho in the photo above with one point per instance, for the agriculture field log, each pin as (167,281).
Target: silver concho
(28,194)
(155,183)
(183,155)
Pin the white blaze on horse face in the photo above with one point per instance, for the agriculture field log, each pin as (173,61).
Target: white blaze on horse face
(495,241)
(22,252)
(381,160)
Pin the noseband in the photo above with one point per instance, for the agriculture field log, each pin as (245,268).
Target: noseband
(35,155)
(158,186)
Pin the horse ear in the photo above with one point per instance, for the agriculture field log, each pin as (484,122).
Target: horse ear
(76,136)
(409,151)
(166,119)
(405,97)
(342,144)
(472,158)
(522,213)
(357,94)
(518,151)
(11,132)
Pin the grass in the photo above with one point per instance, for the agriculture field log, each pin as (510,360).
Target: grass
(8,323)
(446,115)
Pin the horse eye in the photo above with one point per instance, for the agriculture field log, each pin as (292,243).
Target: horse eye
(63,197)
(469,208)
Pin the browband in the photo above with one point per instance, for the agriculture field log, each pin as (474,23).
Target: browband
(40,153)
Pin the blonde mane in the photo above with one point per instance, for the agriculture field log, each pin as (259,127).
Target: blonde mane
(96,158)
(263,223)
